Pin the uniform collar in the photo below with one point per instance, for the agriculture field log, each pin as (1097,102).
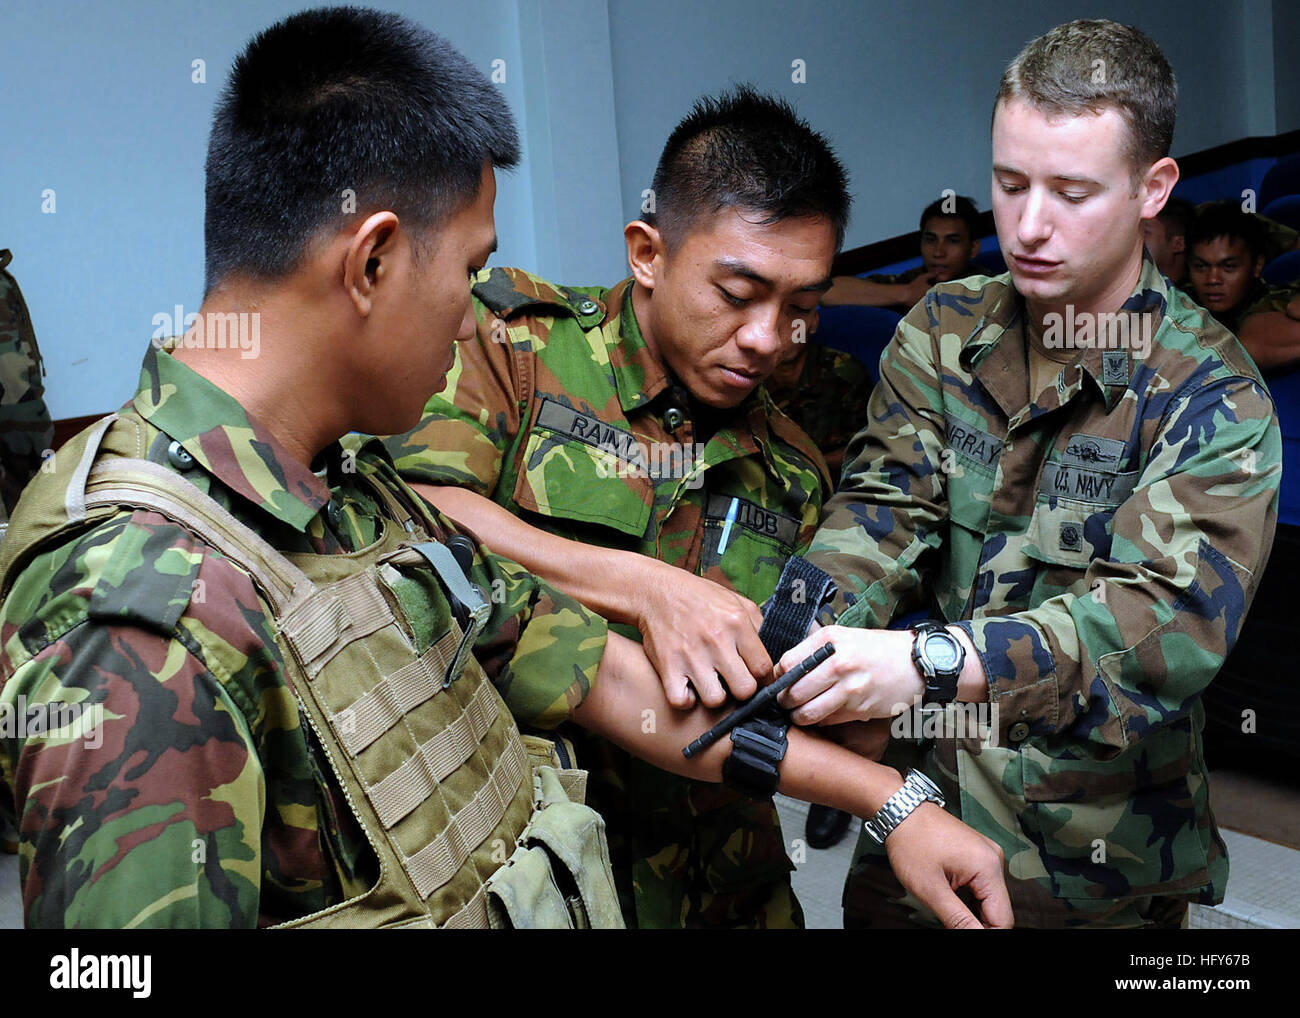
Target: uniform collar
(641,378)
(234,447)
(1000,366)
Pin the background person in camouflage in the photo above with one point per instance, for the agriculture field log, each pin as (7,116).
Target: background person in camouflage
(1228,252)
(195,796)
(949,243)
(1094,539)
(825,392)
(555,413)
(25,428)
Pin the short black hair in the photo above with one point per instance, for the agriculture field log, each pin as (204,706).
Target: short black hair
(1226,219)
(343,99)
(747,150)
(1178,215)
(962,208)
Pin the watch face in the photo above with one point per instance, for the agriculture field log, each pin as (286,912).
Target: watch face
(941,649)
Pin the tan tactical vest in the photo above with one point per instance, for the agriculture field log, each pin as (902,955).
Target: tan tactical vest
(471,827)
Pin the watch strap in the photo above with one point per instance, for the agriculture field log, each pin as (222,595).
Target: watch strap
(917,788)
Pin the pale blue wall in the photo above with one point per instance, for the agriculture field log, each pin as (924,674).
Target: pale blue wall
(904,90)
(96,102)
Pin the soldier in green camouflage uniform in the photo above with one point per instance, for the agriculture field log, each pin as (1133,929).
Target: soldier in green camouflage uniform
(1081,556)
(200,740)
(1093,539)
(25,429)
(559,412)
(633,420)
(825,392)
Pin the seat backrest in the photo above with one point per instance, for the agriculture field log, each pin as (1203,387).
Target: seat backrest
(1284,210)
(1283,270)
(861,331)
(1282,179)
(1285,388)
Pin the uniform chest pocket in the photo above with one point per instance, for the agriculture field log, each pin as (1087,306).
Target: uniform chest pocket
(576,467)
(758,541)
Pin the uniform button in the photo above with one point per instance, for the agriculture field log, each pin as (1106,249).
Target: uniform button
(335,512)
(1019,732)
(588,307)
(673,418)
(178,457)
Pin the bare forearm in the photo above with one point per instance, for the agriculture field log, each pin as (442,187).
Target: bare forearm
(627,706)
(1272,339)
(600,578)
(855,290)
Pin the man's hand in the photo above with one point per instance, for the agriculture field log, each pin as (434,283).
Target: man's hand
(933,853)
(871,675)
(699,634)
(919,287)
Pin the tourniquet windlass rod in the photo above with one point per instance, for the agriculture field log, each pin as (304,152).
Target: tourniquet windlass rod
(759,700)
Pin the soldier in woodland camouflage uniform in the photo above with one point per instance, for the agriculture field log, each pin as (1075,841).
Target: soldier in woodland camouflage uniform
(190,789)
(25,428)
(825,392)
(1227,252)
(1094,536)
(562,412)
(236,679)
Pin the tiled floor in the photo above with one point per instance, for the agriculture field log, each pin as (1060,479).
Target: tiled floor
(1263,890)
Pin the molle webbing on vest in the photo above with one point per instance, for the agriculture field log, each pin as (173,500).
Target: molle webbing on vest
(434,771)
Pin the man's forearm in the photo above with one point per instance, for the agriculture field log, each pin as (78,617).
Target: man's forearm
(855,290)
(1272,338)
(627,706)
(600,578)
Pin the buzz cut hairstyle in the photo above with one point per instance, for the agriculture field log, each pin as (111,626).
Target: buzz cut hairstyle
(963,208)
(339,105)
(750,151)
(1089,66)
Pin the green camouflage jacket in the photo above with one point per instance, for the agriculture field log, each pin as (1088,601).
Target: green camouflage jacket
(1266,298)
(1100,542)
(25,428)
(196,743)
(828,400)
(559,412)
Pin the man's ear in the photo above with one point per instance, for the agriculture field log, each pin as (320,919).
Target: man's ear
(1259,267)
(368,259)
(645,252)
(974,250)
(1157,184)
(1178,245)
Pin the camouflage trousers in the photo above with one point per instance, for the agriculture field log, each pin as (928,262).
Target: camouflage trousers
(688,854)
(875,900)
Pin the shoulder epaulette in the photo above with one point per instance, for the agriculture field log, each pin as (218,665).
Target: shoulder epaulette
(507,292)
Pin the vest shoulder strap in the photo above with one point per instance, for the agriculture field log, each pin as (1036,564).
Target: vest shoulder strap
(145,485)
